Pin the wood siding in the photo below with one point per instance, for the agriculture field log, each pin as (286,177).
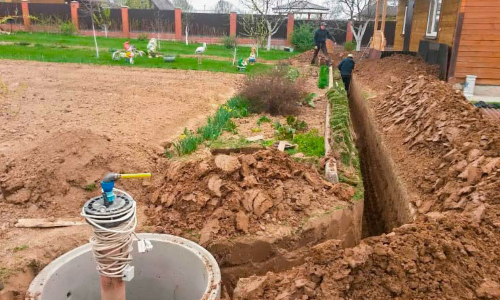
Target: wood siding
(447,23)
(400,18)
(479,50)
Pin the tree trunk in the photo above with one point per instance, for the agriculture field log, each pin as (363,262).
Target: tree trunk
(95,41)
(269,35)
(358,35)
(187,34)
(106,31)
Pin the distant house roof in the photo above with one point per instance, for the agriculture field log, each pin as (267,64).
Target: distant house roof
(163,4)
(369,11)
(301,7)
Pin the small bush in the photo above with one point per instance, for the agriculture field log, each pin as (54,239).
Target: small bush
(350,46)
(143,37)
(303,37)
(229,42)
(273,92)
(67,28)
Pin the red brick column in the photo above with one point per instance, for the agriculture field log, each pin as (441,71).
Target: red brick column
(232,24)
(26,14)
(125,23)
(349,34)
(178,24)
(74,13)
(289,27)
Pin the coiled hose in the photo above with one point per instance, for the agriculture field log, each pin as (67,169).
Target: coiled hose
(112,247)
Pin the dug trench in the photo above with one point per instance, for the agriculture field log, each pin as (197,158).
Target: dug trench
(386,198)
(431,168)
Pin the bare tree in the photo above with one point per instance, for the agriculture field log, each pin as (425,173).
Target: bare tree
(255,28)
(88,8)
(102,18)
(224,7)
(356,11)
(264,8)
(185,5)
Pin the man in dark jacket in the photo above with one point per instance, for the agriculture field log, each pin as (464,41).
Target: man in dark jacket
(320,37)
(346,66)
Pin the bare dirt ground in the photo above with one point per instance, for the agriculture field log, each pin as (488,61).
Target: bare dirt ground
(63,126)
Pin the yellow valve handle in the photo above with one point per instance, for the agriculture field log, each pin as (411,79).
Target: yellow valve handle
(136,175)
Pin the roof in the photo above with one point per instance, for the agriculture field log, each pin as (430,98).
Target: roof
(369,11)
(163,4)
(301,7)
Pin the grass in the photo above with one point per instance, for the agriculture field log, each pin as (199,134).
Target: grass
(231,143)
(90,187)
(87,56)
(188,142)
(20,248)
(323,77)
(310,143)
(175,47)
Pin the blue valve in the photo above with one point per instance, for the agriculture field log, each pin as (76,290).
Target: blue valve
(107,192)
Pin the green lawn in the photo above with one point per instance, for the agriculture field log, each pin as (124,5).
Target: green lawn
(44,53)
(167,47)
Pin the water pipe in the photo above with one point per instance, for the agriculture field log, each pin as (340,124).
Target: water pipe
(113,218)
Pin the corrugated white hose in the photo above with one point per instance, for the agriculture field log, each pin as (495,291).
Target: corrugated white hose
(112,247)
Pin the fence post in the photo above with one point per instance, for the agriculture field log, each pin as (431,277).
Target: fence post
(26,14)
(349,34)
(125,23)
(74,13)
(289,27)
(178,24)
(232,24)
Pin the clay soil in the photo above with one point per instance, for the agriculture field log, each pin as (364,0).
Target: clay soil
(448,156)
(63,126)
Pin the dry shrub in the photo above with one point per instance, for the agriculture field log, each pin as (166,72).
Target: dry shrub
(274,92)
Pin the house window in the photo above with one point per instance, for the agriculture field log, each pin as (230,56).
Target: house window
(404,20)
(433,20)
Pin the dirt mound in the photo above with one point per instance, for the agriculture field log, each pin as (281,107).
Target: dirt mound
(452,259)
(58,176)
(433,121)
(226,196)
(378,74)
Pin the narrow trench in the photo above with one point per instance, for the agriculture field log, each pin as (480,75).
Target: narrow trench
(386,202)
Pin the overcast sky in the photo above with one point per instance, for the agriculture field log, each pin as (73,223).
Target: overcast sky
(209,4)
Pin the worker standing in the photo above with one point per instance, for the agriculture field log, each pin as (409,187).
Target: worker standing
(346,66)
(320,37)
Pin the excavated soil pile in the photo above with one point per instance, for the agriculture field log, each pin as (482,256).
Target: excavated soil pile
(375,74)
(228,195)
(452,259)
(462,148)
(449,157)
(55,178)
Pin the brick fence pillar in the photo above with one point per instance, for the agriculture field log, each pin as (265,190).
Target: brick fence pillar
(289,28)
(349,35)
(178,24)
(26,14)
(232,24)
(125,23)
(74,13)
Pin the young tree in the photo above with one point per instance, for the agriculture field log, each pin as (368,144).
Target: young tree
(224,7)
(355,10)
(102,17)
(255,28)
(185,5)
(88,8)
(264,9)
